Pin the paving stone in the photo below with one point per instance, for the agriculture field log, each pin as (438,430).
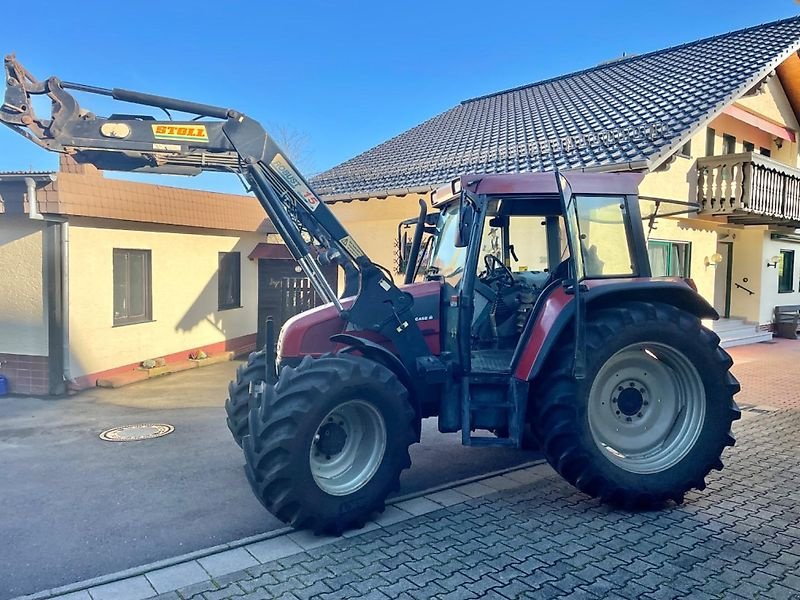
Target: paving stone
(273,549)
(134,588)
(448,497)
(475,490)
(177,576)
(501,482)
(227,562)
(368,526)
(392,515)
(307,540)
(81,595)
(418,506)
(196,589)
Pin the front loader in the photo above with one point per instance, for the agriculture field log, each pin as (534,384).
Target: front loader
(529,317)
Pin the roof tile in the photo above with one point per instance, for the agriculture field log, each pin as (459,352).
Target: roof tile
(676,88)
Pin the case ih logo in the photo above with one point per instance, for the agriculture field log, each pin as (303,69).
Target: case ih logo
(189,133)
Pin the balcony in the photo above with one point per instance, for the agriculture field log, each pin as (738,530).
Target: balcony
(749,189)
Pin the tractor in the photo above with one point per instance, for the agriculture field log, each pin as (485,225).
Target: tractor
(529,317)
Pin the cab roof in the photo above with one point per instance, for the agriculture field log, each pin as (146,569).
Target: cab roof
(539,186)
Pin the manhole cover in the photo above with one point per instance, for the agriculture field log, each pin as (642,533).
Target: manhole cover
(134,433)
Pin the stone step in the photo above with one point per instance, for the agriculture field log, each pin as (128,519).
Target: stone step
(729,324)
(742,340)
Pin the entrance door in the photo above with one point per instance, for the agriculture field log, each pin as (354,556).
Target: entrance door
(722,280)
(283,291)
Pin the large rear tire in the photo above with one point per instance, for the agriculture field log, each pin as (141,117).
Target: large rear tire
(327,443)
(653,414)
(237,407)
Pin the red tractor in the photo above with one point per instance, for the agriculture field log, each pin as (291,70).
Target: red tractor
(530,315)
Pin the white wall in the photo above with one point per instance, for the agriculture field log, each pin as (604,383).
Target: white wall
(23,318)
(184,292)
(770,297)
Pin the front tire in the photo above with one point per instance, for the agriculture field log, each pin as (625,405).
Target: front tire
(237,407)
(327,443)
(653,414)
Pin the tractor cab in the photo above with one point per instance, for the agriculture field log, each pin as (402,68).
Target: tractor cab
(504,242)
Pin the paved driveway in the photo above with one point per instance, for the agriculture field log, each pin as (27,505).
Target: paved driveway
(74,507)
(539,538)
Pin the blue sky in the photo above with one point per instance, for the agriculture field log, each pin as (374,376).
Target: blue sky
(343,75)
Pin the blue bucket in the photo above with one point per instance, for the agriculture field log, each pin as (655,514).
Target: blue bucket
(3,385)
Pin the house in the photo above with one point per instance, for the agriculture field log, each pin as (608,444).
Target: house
(98,275)
(712,123)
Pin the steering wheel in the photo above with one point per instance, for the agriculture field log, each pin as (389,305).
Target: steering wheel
(496,271)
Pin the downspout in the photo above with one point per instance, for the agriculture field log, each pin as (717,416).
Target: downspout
(35,215)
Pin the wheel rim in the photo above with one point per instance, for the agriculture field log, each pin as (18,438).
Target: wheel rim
(647,407)
(348,447)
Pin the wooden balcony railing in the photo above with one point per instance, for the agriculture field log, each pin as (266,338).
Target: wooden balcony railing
(748,183)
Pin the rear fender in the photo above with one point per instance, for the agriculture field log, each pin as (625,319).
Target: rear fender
(378,353)
(557,313)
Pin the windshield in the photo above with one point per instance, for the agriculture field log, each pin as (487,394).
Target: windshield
(447,261)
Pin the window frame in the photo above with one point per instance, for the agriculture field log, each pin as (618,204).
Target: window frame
(147,291)
(236,301)
(711,135)
(728,144)
(672,254)
(782,271)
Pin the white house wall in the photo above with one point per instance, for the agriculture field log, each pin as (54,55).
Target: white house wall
(184,265)
(769,277)
(23,318)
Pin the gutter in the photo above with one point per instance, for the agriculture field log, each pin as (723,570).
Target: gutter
(56,268)
(350,196)
(426,189)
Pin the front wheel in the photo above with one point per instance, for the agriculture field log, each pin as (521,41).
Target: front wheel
(653,414)
(248,376)
(327,444)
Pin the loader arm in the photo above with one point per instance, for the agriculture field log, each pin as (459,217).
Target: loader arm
(218,139)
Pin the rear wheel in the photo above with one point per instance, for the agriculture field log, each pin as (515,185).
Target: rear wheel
(237,407)
(653,415)
(328,442)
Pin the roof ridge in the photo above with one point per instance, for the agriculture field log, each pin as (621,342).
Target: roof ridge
(624,60)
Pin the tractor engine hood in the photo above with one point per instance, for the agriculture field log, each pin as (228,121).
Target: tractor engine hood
(309,332)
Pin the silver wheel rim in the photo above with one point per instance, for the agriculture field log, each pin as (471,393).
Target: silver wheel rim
(348,447)
(647,407)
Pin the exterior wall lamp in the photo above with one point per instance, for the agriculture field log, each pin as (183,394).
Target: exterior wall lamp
(773,262)
(713,260)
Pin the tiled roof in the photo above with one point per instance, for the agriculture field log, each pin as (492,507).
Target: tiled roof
(81,190)
(550,124)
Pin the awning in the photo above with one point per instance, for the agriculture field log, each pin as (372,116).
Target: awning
(270,252)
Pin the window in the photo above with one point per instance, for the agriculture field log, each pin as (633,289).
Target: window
(229,291)
(133,301)
(748,146)
(686,149)
(765,152)
(669,259)
(710,135)
(603,235)
(728,144)
(786,271)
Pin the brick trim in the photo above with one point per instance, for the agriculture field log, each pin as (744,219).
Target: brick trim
(26,374)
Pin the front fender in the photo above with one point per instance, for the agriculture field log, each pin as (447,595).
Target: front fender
(558,311)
